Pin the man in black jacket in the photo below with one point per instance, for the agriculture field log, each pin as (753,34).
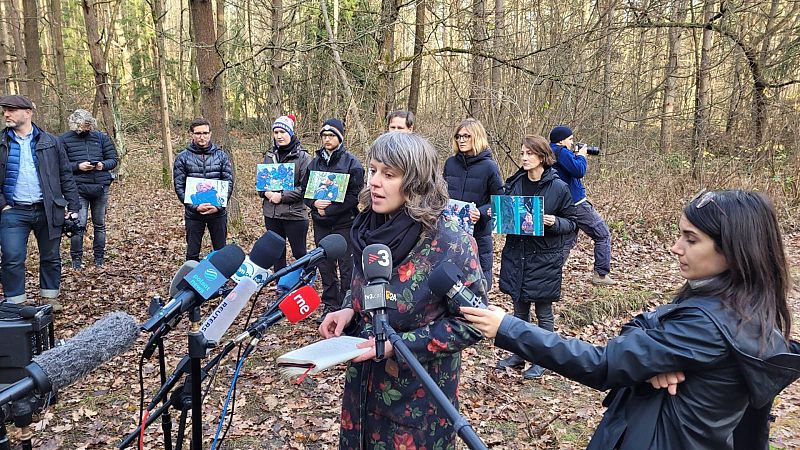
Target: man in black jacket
(37,194)
(92,156)
(333,217)
(202,159)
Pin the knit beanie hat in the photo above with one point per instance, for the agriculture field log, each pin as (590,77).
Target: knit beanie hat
(560,133)
(334,126)
(285,123)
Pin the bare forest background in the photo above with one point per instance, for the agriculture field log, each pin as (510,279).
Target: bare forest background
(679,94)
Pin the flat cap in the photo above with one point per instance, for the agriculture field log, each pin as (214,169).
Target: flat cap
(16,101)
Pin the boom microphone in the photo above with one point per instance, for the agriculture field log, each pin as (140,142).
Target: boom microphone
(295,306)
(201,284)
(332,246)
(445,281)
(65,364)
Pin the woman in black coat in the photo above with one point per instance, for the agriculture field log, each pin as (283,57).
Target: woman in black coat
(530,267)
(724,338)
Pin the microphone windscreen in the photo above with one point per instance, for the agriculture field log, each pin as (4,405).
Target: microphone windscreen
(87,350)
(334,245)
(299,304)
(376,260)
(443,277)
(227,259)
(175,286)
(267,249)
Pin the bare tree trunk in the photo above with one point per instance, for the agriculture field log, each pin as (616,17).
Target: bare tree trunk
(702,94)
(61,67)
(416,66)
(276,62)
(102,91)
(157,8)
(499,45)
(212,106)
(608,20)
(348,92)
(478,84)
(33,53)
(222,36)
(19,48)
(677,14)
(386,91)
(6,50)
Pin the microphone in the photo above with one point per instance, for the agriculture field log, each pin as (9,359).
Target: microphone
(201,284)
(376,261)
(65,364)
(295,306)
(175,286)
(265,253)
(332,246)
(445,281)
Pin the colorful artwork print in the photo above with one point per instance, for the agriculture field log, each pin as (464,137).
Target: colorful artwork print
(459,211)
(330,186)
(518,215)
(275,177)
(202,190)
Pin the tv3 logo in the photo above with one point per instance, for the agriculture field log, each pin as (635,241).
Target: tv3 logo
(382,257)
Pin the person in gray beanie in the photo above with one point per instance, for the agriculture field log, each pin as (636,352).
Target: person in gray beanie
(92,156)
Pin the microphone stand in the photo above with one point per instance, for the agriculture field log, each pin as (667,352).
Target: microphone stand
(166,419)
(462,427)
(198,344)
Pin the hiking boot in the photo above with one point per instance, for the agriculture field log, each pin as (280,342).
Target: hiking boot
(534,372)
(513,362)
(76,264)
(604,280)
(99,261)
(57,306)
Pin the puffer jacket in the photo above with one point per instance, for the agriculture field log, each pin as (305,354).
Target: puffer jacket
(210,163)
(55,177)
(474,179)
(530,266)
(341,161)
(93,147)
(291,206)
(726,382)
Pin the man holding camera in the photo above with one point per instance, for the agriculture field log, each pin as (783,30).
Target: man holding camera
(571,168)
(38,193)
(92,156)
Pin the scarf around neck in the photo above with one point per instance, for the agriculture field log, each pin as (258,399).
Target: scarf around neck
(399,232)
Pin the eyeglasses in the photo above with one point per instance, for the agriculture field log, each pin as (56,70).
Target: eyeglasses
(462,137)
(705,197)
(201,133)
(327,135)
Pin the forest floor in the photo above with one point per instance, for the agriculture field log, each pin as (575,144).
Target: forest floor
(146,246)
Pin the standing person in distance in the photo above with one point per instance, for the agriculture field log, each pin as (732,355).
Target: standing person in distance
(571,167)
(472,175)
(384,405)
(202,159)
(335,217)
(37,193)
(92,156)
(726,333)
(530,266)
(284,211)
(400,120)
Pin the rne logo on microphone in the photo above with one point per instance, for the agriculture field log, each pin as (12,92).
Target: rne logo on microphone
(302,306)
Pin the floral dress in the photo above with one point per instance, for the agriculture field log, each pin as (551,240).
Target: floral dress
(384,405)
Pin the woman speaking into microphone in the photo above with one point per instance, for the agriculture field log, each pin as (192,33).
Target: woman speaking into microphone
(384,404)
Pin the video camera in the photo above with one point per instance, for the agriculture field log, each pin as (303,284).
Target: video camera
(71,227)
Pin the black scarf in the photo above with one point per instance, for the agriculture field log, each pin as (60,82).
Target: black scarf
(283,152)
(399,232)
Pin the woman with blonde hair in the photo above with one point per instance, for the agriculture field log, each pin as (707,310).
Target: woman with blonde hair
(384,404)
(472,176)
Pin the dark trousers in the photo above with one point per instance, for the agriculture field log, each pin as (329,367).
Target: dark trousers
(486,258)
(196,225)
(592,224)
(334,285)
(16,225)
(544,313)
(98,210)
(294,231)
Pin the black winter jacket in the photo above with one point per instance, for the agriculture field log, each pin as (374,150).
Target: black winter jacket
(474,179)
(726,383)
(530,266)
(94,146)
(341,161)
(55,179)
(210,162)
(291,206)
